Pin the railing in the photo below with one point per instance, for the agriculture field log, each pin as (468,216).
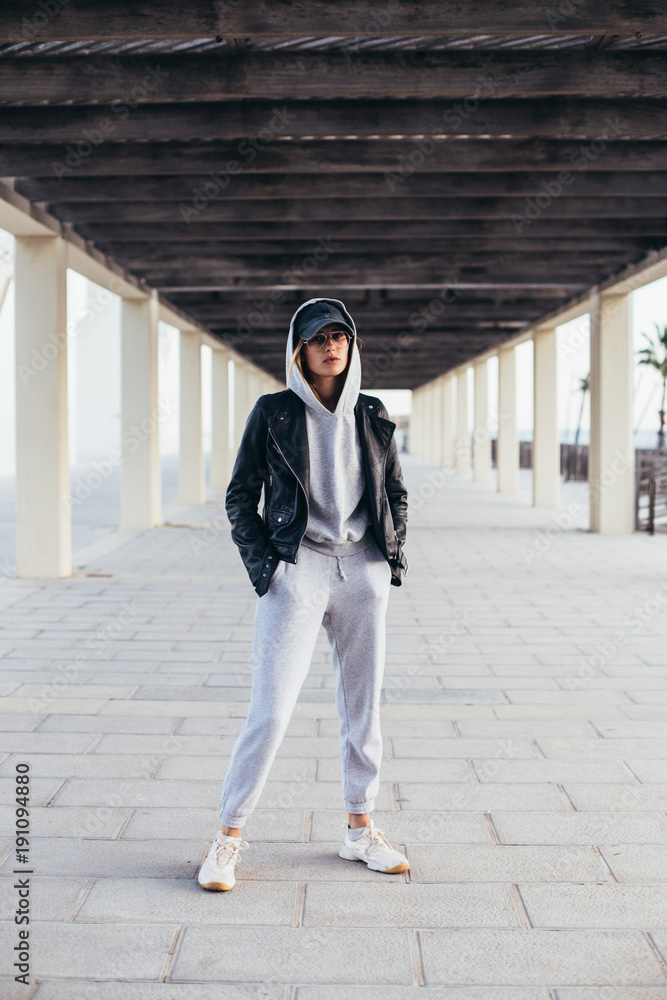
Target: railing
(650,491)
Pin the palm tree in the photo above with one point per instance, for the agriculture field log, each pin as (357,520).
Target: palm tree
(572,464)
(584,386)
(655,355)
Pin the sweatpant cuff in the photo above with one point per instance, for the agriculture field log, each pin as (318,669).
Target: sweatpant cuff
(360,807)
(236,822)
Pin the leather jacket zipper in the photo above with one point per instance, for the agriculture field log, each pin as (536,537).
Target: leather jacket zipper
(280,452)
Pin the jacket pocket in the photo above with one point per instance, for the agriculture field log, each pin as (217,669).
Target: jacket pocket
(279,516)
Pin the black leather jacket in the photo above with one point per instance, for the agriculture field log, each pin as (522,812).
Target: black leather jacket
(273,455)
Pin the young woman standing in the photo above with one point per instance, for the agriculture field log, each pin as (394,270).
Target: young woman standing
(325,551)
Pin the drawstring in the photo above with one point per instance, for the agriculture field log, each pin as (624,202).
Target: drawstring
(340,568)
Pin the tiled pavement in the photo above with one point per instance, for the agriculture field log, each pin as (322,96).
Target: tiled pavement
(525,772)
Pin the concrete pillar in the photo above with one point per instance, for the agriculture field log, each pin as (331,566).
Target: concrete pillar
(191,486)
(507,454)
(436,429)
(240,405)
(221,469)
(546,446)
(481,437)
(43,510)
(448,422)
(611,454)
(141,488)
(462,448)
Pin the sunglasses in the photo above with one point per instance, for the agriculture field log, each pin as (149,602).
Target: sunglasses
(318,341)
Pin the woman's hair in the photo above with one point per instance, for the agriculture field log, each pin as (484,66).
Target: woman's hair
(297,358)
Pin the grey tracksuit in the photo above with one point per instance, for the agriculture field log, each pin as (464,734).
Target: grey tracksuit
(341,580)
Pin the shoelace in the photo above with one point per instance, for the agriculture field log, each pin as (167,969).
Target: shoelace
(376,836)
(230,849)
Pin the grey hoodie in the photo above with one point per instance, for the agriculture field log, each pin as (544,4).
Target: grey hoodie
(338,520)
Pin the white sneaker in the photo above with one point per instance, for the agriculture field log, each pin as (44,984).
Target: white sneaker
(372,848)
(217,872)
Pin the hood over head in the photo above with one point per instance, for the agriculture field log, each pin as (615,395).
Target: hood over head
(351,386)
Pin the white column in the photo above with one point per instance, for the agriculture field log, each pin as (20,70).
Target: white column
(462,448)
(43,511)
(481,436)
(240,406)
(546,446)
(191,486)
(436,430)
(221,456)
(611,462)
(507,454)
(448,422)
(141,493)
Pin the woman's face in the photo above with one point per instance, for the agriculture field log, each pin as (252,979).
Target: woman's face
(332,359)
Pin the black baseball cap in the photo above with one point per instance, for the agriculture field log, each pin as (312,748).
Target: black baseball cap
(315,315)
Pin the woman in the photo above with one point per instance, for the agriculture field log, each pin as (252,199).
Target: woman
(324,551)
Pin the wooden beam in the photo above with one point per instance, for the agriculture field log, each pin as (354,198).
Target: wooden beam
(263,121)
(30,159)
(331,209)
(462,247)
(200,189)
(97,20)
(342,230)
(343,74)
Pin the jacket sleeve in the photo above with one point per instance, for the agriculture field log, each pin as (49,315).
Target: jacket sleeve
(395,487)
(250,472)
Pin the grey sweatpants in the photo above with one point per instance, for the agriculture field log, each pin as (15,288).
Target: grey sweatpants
(348,595)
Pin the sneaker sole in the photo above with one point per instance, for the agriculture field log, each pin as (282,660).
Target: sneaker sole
(403,867)
(216,885)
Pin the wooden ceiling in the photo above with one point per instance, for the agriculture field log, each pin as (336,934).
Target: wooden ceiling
(452,172)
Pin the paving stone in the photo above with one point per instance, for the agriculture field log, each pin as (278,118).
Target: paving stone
(429,993)
(552,770)
(621,749)
(214,768)
(434,796)
(50,898)
(637,862)
(30,743)
(329,769)
(500,863)
(157,901)
(637,798)
(41,789)
(189,824)
(409,905)
(68,821)
(580,827)
(432,747)
(81,765)
(538,957)
(90,990)
(106,724)
(503,728)
(650,771)
(303,954)
(71,857)
(607,906)
(410,827)
(107,951)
